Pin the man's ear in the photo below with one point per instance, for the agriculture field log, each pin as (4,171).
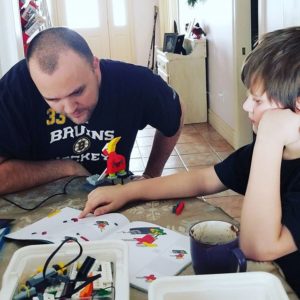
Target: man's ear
(95,63)
(96,67)
(298,105)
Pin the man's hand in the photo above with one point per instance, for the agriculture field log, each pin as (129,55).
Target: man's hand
(103,200)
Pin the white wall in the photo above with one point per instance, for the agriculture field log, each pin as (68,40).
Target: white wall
(218,23)
(226,37)
(11,49)
(275,14)
(227,25)
(143,16)
(188,13)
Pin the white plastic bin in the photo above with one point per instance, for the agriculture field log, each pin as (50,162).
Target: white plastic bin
(233,286)
(27,259)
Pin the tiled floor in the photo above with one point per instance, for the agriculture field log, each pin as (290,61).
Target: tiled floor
(199,145)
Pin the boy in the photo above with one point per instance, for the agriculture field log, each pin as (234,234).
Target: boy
(267,171)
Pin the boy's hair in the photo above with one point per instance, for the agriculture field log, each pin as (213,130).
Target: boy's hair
(275,64)
(48,44)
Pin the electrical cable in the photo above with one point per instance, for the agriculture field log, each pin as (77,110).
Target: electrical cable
(68,239)
(64,192)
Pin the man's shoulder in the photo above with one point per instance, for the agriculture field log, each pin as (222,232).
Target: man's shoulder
(18,73)
(17,87)
(120,68)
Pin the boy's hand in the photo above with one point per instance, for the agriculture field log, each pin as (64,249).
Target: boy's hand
(281,126)
(103,200)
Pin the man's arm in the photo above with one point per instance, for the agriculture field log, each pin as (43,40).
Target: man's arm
(263,237)
(162,148)
(16,175)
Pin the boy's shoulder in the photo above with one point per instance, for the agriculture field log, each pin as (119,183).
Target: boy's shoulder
(234,170)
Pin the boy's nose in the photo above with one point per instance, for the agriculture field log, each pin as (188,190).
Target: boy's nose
(248,105)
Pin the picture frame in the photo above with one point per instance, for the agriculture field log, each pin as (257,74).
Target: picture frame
(170,40)
(179,44)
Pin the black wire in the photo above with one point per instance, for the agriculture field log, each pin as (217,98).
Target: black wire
(56,250)
(64,192)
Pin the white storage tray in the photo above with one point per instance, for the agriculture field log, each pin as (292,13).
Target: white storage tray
(233,286)
(25,260)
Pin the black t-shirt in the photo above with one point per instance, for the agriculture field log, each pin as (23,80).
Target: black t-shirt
(130,97)
(234,174)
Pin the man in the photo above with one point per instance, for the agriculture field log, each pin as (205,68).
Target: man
(60,107)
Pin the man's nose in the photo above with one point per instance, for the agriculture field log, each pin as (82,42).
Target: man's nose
(69,106)
(248,105)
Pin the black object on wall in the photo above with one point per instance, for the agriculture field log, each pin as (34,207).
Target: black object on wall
(254,22)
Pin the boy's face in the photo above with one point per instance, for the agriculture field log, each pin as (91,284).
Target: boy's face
(256,104)
(73,88)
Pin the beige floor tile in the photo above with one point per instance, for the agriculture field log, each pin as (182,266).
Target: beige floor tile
(192,137)
(203,127)
(211,135)
(135,153)
(145,141)
(220,145)
(145,151)
(136,164)
(173,171)
(201,159)
(224,154)
(192,148)
(188,128)
(172,162)
(146,132)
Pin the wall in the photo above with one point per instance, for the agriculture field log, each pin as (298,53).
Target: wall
(143,15)
(275,14)
(227,25)
(218,25)
(188,13)
(11,35)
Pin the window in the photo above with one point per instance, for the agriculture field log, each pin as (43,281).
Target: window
(77,16)
(119,12)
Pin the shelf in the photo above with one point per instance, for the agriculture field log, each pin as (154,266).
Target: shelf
(187,75)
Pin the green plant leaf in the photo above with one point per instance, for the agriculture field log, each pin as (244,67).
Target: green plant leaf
(192,2)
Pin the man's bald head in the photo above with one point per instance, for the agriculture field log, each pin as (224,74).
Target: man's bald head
(48,44)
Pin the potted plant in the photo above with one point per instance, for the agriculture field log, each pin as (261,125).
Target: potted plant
(193,2)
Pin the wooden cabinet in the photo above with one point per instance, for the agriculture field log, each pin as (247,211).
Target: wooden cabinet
(187,75)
